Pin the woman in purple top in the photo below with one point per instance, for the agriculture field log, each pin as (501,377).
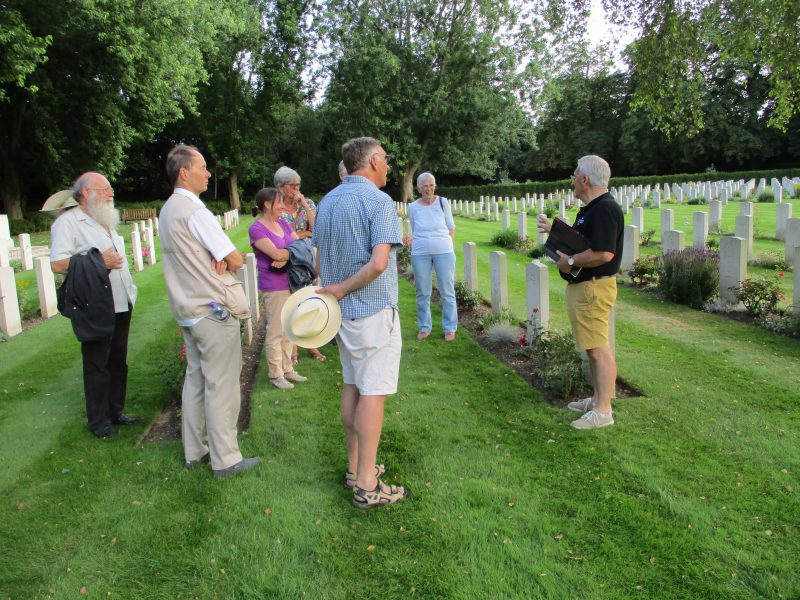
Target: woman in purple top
(270,236)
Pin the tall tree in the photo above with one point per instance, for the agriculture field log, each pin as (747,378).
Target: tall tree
(679,38)
(100,75)
(439,81)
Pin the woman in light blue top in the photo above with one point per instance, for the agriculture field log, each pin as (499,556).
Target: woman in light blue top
(432,229)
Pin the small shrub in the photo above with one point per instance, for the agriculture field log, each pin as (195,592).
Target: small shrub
(536,252)
(695,201)
(645,270)
(766,196)
(797,190)
(492,319)
(782,322)
(507,238)
(646,239)
(502,333)
(173,367)
(466,299)
(712,243)
(760,296)
(557,364)
(403,258)
(690,276)
(769,260)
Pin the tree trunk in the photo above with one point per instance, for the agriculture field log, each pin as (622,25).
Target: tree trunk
(10,133)
(407,191)
(233,190)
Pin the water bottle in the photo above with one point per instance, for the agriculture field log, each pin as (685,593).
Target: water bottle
(220,312)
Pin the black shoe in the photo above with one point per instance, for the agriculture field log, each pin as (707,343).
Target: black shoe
(203,460)
(124,419)
(242,465)
(106,431)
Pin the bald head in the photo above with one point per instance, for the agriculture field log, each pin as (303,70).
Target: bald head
(90,182)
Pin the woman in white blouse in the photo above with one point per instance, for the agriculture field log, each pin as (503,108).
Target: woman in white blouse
(432,229)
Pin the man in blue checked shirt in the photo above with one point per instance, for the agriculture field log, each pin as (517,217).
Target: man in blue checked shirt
(357,234)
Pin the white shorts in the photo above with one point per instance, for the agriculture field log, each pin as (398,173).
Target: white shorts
(369,350)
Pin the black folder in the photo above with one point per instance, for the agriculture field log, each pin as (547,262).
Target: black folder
(565,238)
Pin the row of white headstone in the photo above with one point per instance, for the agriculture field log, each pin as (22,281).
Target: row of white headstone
(648,196)
(143,252)
(733,269)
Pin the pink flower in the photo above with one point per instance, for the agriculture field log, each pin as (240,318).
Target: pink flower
(523,340)
(781,274)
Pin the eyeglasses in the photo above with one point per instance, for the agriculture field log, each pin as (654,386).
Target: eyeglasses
(386,157)
(107,189)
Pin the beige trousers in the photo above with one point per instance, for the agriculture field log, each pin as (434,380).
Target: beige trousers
(276,345)
(211,392)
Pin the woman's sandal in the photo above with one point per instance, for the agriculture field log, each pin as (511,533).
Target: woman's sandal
(350,477)
(295,360)
(317,354)
(377,497)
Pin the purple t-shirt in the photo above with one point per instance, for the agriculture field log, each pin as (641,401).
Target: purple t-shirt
(269,281)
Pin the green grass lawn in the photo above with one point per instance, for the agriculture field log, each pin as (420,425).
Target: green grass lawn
(693,494)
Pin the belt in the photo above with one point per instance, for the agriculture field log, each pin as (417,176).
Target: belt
(596,277)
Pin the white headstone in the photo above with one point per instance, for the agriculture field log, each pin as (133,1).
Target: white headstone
(242,275)
(796,283)
(673,241)
(46,286)
(732,266)
(562,209)
(537,294)
(10,321)
(5,247)
(630,247)
(252,285)
(700,233)
(522,225)
(5,230)
(506,219)
(667,220)
(499,273)
(136,249)
(637,218)
(792,241)
(744,230)
(746,209)
(151,247)
(471,265)
(784,211)
(496,211)
(26,251)
(715,215)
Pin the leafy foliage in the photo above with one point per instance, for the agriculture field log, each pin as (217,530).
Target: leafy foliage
(466,299)
(507,238)
(556,364)
(760,296)
(645,270)
(690,276)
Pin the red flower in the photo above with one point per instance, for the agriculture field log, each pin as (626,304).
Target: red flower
(781,274)
(523,341)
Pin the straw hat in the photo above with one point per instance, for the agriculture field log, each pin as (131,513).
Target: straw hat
(311,320)
(59,201)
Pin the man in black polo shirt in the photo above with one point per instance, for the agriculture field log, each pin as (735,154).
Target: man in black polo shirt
(592,285)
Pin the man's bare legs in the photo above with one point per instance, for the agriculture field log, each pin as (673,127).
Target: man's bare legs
(603,368)
(362,417)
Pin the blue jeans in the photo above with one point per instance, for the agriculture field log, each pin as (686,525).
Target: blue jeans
(445,265)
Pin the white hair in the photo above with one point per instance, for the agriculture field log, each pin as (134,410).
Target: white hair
(423,177)
(596,169)
(342,170)
(285,176)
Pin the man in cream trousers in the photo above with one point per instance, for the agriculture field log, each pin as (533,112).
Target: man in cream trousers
(199,262)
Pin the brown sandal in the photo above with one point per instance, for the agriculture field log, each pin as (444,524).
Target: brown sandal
(350,477)
(373,498)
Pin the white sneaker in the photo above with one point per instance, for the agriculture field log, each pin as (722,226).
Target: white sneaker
(581,405)
(594,419)
(295,376)
(281,383)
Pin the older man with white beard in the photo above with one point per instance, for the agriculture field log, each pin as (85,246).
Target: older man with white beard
(92,224)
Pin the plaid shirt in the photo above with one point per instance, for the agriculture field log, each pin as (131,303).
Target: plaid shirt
(351,220)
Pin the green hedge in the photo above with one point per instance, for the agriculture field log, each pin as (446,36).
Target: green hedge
(474,192)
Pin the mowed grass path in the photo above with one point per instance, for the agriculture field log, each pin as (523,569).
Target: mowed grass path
(692,494)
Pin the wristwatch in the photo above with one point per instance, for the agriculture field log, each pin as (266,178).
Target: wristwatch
(571,261)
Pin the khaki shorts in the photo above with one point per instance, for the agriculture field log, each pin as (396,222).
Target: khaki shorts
(589,304)
(369,350)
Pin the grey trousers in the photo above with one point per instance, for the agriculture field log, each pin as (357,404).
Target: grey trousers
(211,393)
